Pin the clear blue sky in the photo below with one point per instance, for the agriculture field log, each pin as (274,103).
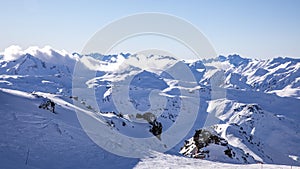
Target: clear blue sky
(254,28)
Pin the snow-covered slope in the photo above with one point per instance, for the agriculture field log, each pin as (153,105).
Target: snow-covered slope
(159,160)
(277,75)
(29,73)
(207,144)
(265,136)
(36,138)
(257,110)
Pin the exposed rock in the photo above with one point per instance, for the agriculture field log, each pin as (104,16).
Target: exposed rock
(206,144)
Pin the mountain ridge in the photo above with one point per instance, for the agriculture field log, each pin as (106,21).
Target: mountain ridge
(253,104)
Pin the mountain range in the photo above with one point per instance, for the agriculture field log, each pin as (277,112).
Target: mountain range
(242,110)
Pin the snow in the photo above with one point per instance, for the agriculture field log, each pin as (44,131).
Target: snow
(288,91)
(17,93)
(48,137)
(296,158)
(172,161)
(46,81)
(256,112)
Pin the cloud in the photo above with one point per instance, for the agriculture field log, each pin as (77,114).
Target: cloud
(47,54)
(50,55)
(12,53)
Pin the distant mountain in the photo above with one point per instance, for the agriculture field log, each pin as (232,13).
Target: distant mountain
(277,75)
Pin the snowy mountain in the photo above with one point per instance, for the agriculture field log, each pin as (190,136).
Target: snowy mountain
(278,75)
(255,104)
(265,136)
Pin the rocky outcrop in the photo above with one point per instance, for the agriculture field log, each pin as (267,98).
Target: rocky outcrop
(206,144)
